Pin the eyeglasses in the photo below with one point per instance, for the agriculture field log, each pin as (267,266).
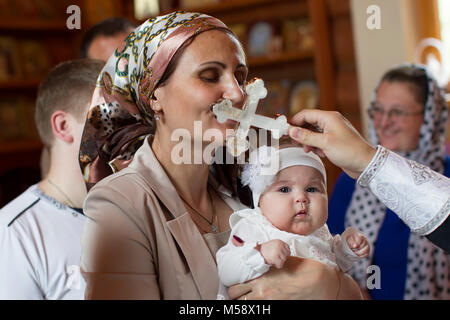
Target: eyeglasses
(377,113)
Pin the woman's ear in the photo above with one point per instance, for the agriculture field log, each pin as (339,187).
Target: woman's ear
(60,121)
(155,106)
(155,103)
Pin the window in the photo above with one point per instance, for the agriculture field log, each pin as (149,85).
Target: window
(444,17)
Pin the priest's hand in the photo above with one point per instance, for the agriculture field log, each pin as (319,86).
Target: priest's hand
(334,137)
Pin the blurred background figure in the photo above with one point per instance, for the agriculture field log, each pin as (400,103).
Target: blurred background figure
(101,40)
(408,115)
(40,230)
(98,43)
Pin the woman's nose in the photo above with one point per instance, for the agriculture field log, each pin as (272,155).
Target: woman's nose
(234,92)
(384,120)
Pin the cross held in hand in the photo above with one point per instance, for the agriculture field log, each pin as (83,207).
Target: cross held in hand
(247,117)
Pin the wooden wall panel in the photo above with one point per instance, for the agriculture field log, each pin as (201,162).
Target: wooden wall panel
(343,47)
(338,7)
(346,81)
(344,67)
(346,86)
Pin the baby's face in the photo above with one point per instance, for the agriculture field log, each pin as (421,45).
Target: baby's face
(297,201)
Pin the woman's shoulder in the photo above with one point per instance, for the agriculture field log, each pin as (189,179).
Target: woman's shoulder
(120,180)
(345,180)
(123,198)
(344,186)
(125,185)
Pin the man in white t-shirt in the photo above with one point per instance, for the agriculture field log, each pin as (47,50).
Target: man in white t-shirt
(40,230)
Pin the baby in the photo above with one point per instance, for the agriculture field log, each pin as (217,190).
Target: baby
(289,218)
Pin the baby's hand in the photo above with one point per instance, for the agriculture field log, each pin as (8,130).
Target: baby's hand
(274,252)
(359,244)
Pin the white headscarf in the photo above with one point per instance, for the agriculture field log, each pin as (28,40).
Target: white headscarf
(120,115)
(265,162)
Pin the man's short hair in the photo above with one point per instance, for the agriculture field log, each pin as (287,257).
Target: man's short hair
(67,87)
(107,28)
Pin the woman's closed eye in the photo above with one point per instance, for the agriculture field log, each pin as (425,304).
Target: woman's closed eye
(210,75)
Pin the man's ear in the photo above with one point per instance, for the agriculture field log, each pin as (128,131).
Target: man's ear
(60,121)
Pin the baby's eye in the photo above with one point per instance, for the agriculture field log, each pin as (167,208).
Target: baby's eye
(312,189)
(284,189)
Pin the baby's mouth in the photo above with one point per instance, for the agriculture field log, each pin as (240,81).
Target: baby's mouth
(302,213)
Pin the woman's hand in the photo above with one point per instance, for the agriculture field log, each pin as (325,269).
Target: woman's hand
(299,279)
(338,140)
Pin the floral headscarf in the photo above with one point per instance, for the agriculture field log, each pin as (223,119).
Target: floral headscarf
(120,116)
(367,213)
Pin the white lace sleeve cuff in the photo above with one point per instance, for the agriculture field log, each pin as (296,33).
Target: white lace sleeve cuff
(374,166)
(417,194)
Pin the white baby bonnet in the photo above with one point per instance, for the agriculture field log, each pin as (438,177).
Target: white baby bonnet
(265,162)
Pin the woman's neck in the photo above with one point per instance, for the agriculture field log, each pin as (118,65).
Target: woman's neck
(189,179)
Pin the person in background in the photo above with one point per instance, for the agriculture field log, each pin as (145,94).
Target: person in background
(408,116)
(101,40)
(40,230)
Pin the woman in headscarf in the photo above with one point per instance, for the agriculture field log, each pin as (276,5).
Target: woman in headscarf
(408,116)
(154,227)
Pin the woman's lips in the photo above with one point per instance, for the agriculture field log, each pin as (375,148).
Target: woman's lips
(231,123)
(388,134)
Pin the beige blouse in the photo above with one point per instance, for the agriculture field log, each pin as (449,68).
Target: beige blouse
(140,242)
(216,241)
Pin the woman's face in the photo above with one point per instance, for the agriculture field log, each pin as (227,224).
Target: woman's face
(211,68)
(399,131)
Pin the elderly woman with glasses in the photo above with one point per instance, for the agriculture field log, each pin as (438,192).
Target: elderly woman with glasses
(408,116)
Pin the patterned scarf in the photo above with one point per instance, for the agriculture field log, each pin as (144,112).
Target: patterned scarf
(120,116)
(428,268)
